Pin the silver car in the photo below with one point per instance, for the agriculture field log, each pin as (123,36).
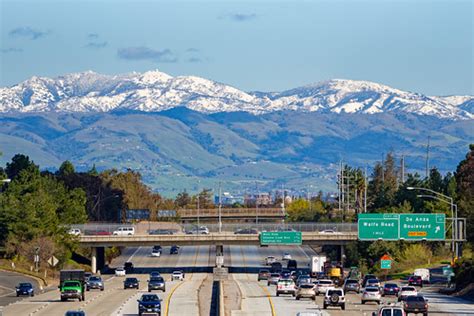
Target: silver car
(273,279)
(306,290)
(371,294)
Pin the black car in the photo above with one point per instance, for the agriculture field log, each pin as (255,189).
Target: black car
(131,283)
(415,304)
(160,232)
(128,266)
(292,265)
(174,250)
(157,248)
(25,289)
(250,231)
(276,267)
(75,313)
(156,283)
(149,303)
(368,277)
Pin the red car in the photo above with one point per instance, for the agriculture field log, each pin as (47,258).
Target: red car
(415,280)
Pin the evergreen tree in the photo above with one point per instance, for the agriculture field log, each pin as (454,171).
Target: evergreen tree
(465,190)
(19,162)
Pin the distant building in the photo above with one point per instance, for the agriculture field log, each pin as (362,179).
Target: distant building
(263,199)
(228,199)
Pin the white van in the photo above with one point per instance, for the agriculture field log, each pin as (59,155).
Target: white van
(126,230)
(424,274)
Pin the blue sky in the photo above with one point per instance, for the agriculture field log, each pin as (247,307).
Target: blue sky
(423,46)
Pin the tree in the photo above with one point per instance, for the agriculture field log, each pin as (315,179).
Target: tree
(465,190)
(19,162)
(66,169)
(182,199)
(435,181)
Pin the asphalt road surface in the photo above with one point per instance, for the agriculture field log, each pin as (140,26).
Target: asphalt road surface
(181,297)
(8,282)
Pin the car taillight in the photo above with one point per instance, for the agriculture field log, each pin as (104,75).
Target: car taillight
(426,305)
(279,287)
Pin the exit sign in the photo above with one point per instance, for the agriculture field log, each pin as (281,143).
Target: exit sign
(280,238)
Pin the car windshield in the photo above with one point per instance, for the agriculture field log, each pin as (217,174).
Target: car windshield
(372,281)
(119,269)
(131,280)
(337,292)
(415,299)
(264,271)
(156,279)
(390,285)
(94,279)
(408,288)
(25,285)
(306,286)
(388,312)
(70,283)
(149,298)
(275,275)
(371,289)
(177,272)
(324,282)
(352,282)
(285,282)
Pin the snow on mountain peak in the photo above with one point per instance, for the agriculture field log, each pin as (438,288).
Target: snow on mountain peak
(155,91)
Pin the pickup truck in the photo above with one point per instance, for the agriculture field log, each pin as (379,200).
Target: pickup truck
(72,284)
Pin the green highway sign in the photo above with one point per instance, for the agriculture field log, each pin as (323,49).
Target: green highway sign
(280,238)
(422,226)
(385,264)
(376,226)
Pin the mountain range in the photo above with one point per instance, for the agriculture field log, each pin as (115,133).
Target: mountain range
(190,133)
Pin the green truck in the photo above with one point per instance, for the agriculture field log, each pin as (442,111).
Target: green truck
(72,284)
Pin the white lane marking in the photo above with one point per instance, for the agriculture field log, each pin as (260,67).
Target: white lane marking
(131,257)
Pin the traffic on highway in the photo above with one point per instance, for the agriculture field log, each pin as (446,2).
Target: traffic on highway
(273,280)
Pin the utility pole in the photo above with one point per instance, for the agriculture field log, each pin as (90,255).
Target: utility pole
(383,170)
(403,169)
(365,189)
(428,158)
(220,209)
(256,203)
(198,210)
(339,176)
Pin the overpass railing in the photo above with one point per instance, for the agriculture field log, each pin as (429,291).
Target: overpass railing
(146,228)
(231,212)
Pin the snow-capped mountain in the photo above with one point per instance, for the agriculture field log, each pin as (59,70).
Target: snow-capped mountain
(156,91)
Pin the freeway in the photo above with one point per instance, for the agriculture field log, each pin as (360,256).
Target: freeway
(8,282)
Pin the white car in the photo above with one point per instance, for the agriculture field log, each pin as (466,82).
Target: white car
(177,275)
(322,286)
(286,256)
(371,294)
(406,291)
(269,260)
(334,297)
(155,253)
(120,272)
(74,231)
(124,231)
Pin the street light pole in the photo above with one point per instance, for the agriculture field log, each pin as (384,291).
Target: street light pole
(220,209)
(256,203)
(449,200)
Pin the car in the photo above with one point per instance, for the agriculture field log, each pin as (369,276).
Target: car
(286,256)
(155,253)
(304,279)
(312,313)
(174,250)
(131,283)
(160,232)
(87,275)
(390,289)
(415,280)
(124,231)
(149,304)
(156,283)
(330,232)
(120,272)
(322,286)
(373,283)
(390,311)
(95,282)
(415,304)
(351,285)
(269,260)
(292,265)
(406,291)
(128,266)
(371,294)
(367,277)
(201,230)
(177,275)
(285,274)
(273,279)
(276,267)
(74,231)
(248,231)
(157,247)
(334,297)
(263,274)
(155,274)
(285,286)
(25,289)
(306,290)
(424,274)
(75,313)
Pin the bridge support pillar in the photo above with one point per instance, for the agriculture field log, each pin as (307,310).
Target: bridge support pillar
(343,255)
(219,256)
(97,258)
(94,260)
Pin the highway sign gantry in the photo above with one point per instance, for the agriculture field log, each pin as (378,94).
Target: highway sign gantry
(281,238)
(417,226)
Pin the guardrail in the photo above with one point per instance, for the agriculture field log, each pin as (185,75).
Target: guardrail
(231,212)
(98,229)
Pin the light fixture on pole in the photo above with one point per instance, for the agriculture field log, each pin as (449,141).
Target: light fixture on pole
(6,180)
